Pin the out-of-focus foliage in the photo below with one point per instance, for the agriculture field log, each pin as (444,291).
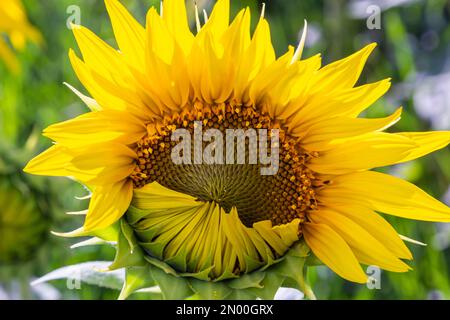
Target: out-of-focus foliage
(414,49)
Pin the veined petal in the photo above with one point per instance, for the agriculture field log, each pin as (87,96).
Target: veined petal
(215,82)
(130,35)
(328,104)
(292,96)
(332,250)
(320,135)
(195,235)
(259,55)
(342,73)
(177,22)
(166,76)
(96,127)
(108,204)
(219,20)
(111,95)
(387,194)
(427,142)
(236,41)
(106,162)
(361,153)
(366,248)
(375,225)
(104,98)
(376,150)
(51,162)
(99,55)
(160,40)
(270,76)
(56,162)
(363,97)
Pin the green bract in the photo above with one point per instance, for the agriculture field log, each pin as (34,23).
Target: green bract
(144,271)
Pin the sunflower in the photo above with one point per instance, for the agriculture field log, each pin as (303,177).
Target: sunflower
(24,211)
(227,226)
(14,23)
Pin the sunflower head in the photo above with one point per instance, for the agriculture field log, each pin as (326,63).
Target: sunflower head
(187,209)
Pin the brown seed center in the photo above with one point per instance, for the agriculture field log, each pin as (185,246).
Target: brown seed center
(281,197)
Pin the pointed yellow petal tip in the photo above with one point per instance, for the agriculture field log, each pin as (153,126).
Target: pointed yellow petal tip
(28,168)
(32,167)
(72,55)
(367,51)
(370,47)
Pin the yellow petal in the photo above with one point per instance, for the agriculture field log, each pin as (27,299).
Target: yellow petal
(96,127)
(366,248)
(160,41)
(219,19)
(215,84)
(235,41)
(361,153)
(177,22)
(343,73)
(108,92)
(102,57)
(105,163)
(108,204)
(130,35)
(56,162)
(202,233)
(326,104)
(166,76)
(270,76)
(362,97)
(259,55)
(427,142)
(104,98)
(52,162)
(156,197)
(375,225)
(332,250)
(386,194)
(321,134)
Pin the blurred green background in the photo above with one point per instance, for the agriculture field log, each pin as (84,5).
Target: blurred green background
(414,49)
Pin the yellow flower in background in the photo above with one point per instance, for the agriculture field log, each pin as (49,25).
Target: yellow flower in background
(220,222)
(15,26)
(24,211)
